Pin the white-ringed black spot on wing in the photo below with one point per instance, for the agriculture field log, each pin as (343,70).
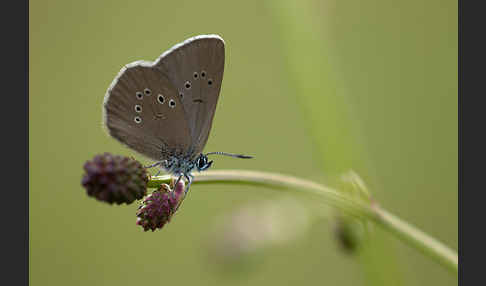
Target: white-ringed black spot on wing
(138,108)
(160,99)
(172,103)
(181,95)
(139,95)
(147,91)
(203,74)
(187,84)
(195,75)
(210,81)
(137,119)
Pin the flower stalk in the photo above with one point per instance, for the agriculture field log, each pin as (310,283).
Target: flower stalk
(406,232)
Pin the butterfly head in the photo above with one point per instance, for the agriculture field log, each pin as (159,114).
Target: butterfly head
(202,162)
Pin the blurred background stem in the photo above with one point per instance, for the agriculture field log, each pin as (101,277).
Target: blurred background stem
(407,233)
(303,32)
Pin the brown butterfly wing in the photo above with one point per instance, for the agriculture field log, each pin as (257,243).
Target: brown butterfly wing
(195,67)
(161,128)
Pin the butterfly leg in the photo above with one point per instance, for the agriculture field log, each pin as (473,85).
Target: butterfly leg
(178,179)
(160,163)
(153,165)
(189,178)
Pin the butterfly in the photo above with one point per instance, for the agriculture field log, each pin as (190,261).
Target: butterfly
(164,109)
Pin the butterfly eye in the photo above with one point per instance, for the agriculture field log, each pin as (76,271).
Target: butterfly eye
(137,119)
(172,103)
(139,95)
(210,81)
(200,163)
(195,75)
(188,85)
(147,91)
(203,74)
(160,98)
(138,108)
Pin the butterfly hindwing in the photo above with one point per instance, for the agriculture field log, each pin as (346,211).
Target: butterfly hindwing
(195,67)
(142,111)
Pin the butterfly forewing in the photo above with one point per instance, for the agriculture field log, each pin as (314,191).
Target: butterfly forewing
(142,111)
(195,67)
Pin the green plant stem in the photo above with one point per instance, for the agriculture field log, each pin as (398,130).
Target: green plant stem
(401,229)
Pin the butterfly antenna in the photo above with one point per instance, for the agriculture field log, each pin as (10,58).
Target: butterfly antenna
(241,156)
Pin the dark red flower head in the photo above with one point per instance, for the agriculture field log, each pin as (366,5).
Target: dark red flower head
(115,179)
(158,208)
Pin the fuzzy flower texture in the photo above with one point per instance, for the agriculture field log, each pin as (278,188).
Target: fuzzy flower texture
(118,179)
(115,179)
(158,208)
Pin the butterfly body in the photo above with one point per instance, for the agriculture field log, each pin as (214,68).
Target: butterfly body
(180,165)
(164,109)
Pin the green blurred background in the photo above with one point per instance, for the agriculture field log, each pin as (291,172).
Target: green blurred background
(311,89)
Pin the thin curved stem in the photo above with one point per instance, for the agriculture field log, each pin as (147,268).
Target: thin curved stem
(401,229)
